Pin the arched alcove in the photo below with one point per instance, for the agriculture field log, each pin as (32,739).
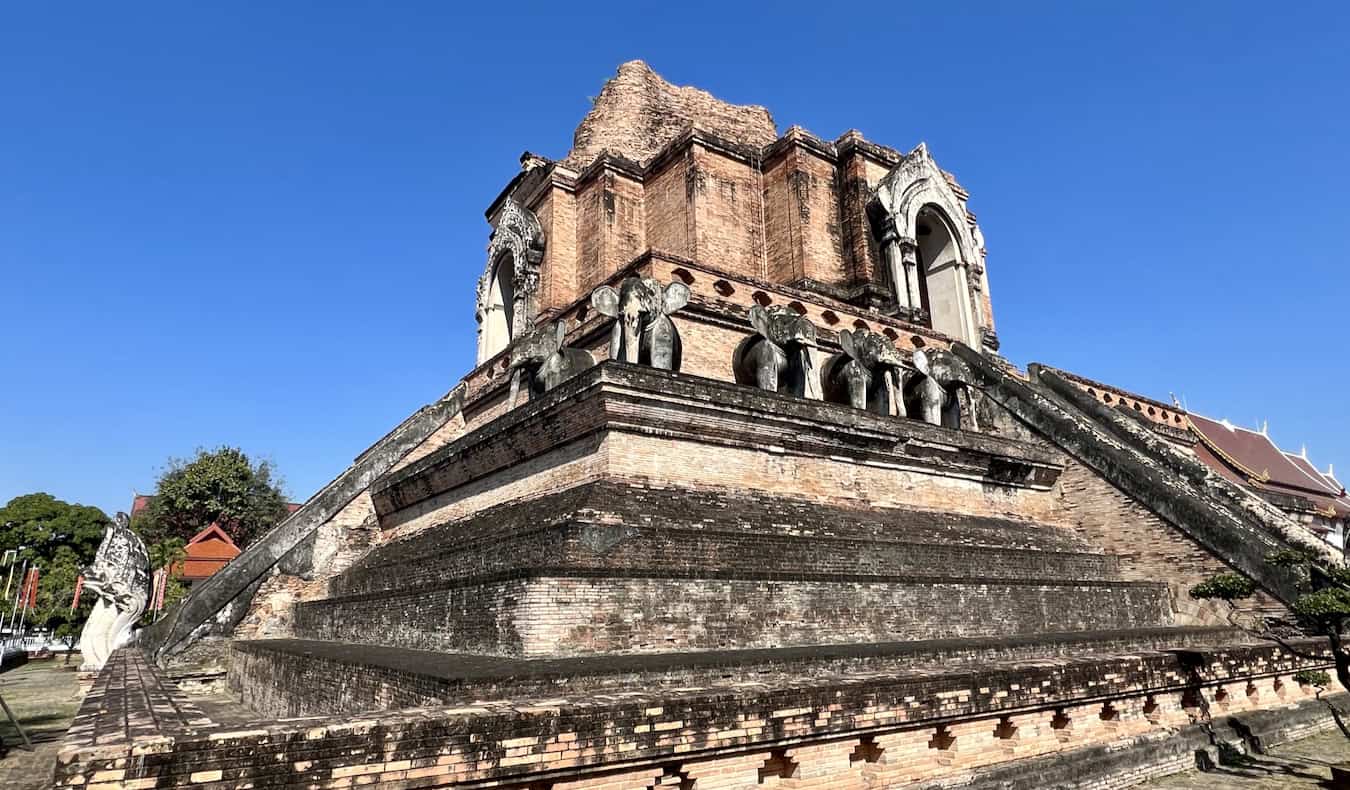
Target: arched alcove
(928,242)
(499,308)
(941,287)
(508,290)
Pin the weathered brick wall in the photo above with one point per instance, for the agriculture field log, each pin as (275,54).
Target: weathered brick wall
(878,732)
(805,219)
(590,236)
(728,211)
(474,616)
(638,113)
(561,616)
(727,438)
(666,200)
(557,213)
(548,533)
(1147,547)
(647,459)
(291,677)
(576,463)
(335,546)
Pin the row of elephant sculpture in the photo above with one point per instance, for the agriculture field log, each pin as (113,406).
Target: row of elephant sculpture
(782,356)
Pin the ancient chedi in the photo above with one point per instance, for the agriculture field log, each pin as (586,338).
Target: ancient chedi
(740,493)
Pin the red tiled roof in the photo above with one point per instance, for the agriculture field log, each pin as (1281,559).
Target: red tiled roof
(1251,458)
(1248,458)
(212,533)
(140,502)
(207,552)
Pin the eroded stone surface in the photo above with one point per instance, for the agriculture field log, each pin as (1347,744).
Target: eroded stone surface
(638,113)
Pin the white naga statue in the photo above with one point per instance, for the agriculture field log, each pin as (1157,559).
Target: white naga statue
(120,577)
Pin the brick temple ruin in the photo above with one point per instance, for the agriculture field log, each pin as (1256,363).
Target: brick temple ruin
(740,493)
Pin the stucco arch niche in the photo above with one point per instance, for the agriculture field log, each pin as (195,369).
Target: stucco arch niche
(929,244)
(508,290)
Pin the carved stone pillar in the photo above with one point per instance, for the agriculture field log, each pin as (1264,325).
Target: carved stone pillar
(970,335)
(909,252)
(893,254)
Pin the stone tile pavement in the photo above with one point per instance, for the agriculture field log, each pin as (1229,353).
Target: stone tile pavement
(1301,764)
(44,695)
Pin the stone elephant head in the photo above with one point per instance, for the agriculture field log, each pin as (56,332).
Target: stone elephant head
(779,356)
(937,385)
(540,360)
(643,332)
(869,373)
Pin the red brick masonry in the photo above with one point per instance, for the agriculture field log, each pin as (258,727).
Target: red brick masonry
(883,730)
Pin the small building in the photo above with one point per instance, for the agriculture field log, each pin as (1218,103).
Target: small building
(206,553)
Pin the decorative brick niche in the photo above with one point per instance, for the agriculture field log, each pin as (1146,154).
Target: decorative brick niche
(1062,725)
(867,751)
(778,766)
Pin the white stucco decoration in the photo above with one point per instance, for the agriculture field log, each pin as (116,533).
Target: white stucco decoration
(508,290)
(915,186)
(120,577)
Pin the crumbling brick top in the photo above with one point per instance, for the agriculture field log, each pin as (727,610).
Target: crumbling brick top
(638,113)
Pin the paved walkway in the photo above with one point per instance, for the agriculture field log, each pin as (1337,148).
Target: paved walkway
(44,695)
(1301,764)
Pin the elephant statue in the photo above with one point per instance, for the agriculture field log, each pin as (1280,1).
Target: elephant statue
(779,356)
(643,332)
(868,375)
(937,387)
(540,359)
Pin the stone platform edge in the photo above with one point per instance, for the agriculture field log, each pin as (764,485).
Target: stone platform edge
(134,732)
(682,406)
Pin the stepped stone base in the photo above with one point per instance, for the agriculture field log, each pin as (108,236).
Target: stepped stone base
(920,728)
(559,616)
(294,677)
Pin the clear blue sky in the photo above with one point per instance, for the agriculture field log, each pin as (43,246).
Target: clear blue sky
(259,224)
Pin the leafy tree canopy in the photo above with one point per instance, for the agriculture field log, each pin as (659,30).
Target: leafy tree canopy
(221,486)
(43,525)
(1321,608)
(56,590)
(59,539)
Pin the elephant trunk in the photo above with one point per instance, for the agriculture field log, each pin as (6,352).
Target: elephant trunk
(810,382)
(895,404)
(857,378)
(631,327)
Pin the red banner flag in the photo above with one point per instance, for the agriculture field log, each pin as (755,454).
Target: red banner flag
(79,587)
(30,589)
(163,584)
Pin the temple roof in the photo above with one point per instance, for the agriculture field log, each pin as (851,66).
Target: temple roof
(1250,457)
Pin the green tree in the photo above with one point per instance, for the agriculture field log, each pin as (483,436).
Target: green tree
(166,554)
(221,486)
(1322,608)
(43,524)
(56,591)
(58,539)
